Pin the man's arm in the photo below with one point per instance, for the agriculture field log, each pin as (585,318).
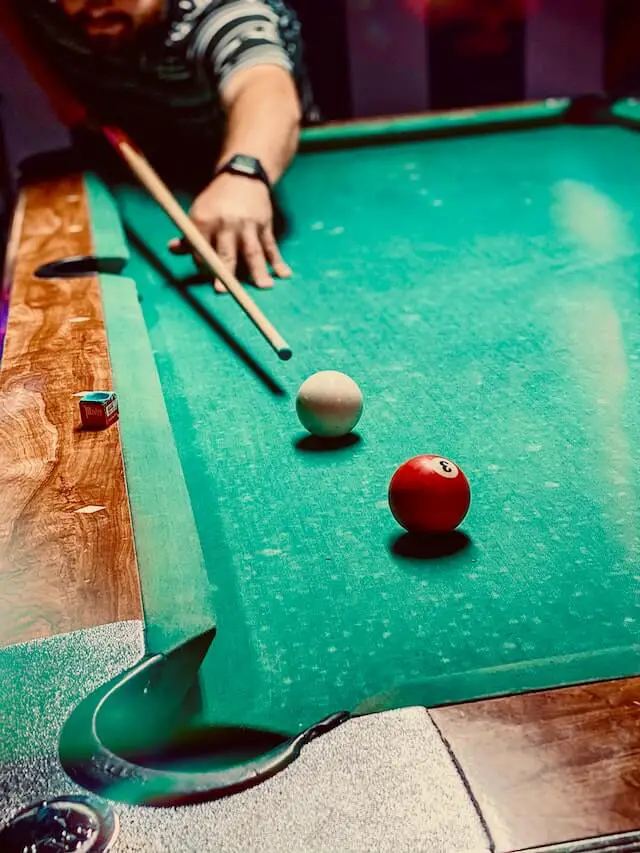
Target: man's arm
(234,212)
(263,117)
(251,52)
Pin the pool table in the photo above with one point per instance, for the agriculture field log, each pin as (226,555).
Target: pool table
(204,608)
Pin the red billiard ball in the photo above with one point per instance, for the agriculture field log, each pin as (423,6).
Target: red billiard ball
(429,494)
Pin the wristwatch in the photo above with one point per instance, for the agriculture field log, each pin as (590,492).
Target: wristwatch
(247,167)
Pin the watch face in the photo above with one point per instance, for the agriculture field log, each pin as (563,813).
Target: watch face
(244,164)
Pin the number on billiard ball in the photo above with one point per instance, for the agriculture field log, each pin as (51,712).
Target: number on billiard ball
(429,494)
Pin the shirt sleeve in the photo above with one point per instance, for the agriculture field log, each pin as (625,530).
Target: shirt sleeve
(236,34)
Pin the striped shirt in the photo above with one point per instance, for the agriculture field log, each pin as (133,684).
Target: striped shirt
(170,84)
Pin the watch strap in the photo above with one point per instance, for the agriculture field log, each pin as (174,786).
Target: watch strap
(245,166)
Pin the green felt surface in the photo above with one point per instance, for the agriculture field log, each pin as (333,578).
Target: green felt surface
(627,109)
(484,293)
(176,590)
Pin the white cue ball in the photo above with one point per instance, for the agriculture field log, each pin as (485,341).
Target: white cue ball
(329,404)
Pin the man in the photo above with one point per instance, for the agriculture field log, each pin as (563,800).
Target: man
(214,88)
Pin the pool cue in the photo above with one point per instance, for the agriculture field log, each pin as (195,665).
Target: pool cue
(154,184)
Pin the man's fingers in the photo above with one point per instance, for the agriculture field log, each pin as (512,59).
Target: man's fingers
(227,249)
(258,247)
(280,268)
(254,256)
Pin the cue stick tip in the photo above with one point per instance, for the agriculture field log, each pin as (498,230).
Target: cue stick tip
(285,353)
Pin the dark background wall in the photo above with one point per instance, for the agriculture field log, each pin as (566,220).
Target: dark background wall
(369,57)
(622,47)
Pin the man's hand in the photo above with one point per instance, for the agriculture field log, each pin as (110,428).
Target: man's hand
(235,214)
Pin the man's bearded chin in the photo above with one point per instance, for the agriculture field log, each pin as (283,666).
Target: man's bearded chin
(117,36)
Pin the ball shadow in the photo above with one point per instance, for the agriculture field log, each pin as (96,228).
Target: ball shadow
(316,444)
(410,546)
